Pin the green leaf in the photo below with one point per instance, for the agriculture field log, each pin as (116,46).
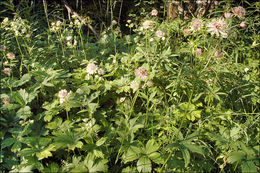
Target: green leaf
(156,157)
(7,142)
(235,156)
(195,148)
(44,154)
(186,156)
(101,141)
(151,146)
(144,165)
(24,112)
(248,166)
(132,154)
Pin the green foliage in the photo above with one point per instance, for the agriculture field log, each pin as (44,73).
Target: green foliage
(162,99)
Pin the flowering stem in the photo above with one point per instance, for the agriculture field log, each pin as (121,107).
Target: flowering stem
(21,66)
(82,44)
(67,113)
(131,111)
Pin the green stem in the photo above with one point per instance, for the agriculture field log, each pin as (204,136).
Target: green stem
(131,111)
(19,47)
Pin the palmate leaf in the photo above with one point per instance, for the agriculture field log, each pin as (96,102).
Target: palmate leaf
(151,146)
(236,156)
(66,137)
(144,165)
(186,156)
(194,148)
(248,166)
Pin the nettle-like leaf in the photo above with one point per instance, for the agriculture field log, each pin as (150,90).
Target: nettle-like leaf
(144,164)
(67,137)
(38,147)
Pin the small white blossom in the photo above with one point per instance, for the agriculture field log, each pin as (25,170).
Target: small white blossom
(134,85)
(246,69)
(92,68)
(122,99)
(154,12)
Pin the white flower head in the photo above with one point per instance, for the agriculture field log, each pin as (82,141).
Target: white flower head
(147,24)
(246,69)
(122,99)
(218,27)
(134,85)
(92,68)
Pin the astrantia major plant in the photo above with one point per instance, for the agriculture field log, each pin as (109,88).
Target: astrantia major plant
(174,96)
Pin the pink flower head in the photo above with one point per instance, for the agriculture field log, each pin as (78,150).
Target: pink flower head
(196,24)
(154,12)
(218,26)
(198,52)
(160,34)
(6,100)
(10,55)
(7,71)
(242,24)
(186,31)
(239,11)
(228,15)
(218,54)
(141,72)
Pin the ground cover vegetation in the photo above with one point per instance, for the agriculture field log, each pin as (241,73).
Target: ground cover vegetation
(163,95)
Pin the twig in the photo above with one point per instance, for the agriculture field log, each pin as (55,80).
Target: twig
(71,11)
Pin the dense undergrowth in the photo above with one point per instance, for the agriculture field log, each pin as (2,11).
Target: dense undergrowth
(172,96)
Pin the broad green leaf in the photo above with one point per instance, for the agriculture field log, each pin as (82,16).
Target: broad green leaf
(151,146)
(235,156)
(195,148)
(101,141)
(7,142)
(248,166)
(186,156)
(97,166)
(43,154)
(98,153)
(16,147)
(24,112)
(156,157)
(132,154)
(144,165)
